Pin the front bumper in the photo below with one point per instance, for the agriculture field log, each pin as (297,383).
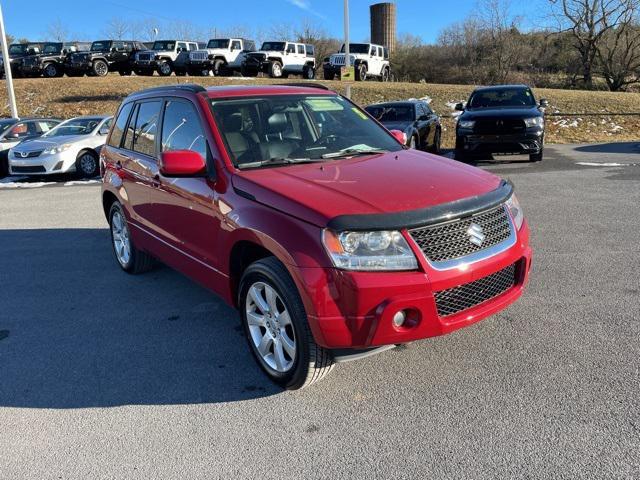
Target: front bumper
(526,142)
(43,164)
(150,66)
(355,309)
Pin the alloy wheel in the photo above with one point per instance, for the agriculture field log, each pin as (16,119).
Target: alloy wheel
(101,69)
(51,70)
(165,68)
(270,327)
(87,164)
(277,70)
(121,240)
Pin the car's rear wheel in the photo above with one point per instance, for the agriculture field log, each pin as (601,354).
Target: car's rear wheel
(100,68)
(87,165)
(130,259)
(276,326)
(361,73)
(437,141)
(309,72)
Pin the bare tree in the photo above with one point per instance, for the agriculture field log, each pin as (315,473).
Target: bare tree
(619,56)
(589,21)
(57,31)
(117,28)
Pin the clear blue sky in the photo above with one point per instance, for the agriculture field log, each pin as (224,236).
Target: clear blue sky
(424,18)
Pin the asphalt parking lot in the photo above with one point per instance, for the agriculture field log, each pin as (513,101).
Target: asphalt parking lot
(114,376)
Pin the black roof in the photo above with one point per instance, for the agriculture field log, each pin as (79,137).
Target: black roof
(501,87)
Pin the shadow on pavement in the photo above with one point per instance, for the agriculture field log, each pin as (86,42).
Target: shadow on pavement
(76,331)
(615,147)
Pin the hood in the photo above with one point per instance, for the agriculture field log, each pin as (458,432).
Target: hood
(383,183)
(41,143)
(505,112)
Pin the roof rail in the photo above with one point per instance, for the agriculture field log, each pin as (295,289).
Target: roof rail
(188,87)
(303,84)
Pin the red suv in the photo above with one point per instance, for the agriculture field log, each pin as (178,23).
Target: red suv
(332,239)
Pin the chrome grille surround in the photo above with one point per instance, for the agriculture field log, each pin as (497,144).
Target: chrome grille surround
(453,243)
(198,56)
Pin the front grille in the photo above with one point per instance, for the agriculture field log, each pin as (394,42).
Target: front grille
(451,240)
(145,57)
(29,154)
(339,60)
(261,57)
(35,169)
(457,299)
(198,56)
(499,126)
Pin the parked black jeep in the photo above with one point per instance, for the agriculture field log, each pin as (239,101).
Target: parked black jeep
(52,60)
(504,119)
(18,51)
(104,56)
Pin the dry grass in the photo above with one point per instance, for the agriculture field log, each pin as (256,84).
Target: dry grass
(67,97)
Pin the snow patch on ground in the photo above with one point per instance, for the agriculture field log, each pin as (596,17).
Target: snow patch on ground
(80,182)
(605,164)
(9,185)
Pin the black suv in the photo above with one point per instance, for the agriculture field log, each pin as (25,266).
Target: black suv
(104,56)
(503,119)
(51,62)
(18,51)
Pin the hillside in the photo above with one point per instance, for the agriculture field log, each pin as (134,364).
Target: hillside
(67,97)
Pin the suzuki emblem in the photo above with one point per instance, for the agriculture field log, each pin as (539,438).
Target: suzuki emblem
(476,235)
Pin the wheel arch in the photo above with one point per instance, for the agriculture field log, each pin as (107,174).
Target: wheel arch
(244,253)
(108,199)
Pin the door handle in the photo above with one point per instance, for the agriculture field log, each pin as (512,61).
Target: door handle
(155,182)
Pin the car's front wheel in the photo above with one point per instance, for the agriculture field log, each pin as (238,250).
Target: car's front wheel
(276,326)
(164,68)
(275,69)
(100,68)
(128,256)
(51,70)
(536,157)
(87,164)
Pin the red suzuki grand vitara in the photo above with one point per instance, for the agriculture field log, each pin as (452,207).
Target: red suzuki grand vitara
(332,239)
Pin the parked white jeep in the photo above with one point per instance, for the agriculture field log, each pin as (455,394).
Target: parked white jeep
(281,59)
(223,56)
(165,56)
(368,60)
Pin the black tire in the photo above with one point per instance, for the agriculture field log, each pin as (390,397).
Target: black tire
(437,140)
(51,70)
(4,163)
(100,68)
(248,72)
(384,77)
(87,164)
(180,73)
(139,261)
(218,65)
(275,69)
(328,75)
(536,157)
(74,74)
(125,72)
(164,68)
(308,72)
(312,362)
(361,73)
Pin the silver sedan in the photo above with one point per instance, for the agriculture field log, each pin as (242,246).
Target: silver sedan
(72,146)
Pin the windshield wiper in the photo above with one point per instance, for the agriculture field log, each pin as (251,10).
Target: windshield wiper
(351,152)
(276,161)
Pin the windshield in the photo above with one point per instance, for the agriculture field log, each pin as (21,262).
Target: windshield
(295,128)
(52,48)
(101,46)
(218,43)
(357,48)
(17,49)
(392,113)
(273,46)
(502,97)
(75,126)
(164,45)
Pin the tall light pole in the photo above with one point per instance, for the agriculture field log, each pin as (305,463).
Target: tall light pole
(347,58)
(7,68)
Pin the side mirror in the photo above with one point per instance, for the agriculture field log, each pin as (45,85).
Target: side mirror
(424,117)
(459,107)
(400,136)
(104,131)
(544,103)
(182,163)
(114,49)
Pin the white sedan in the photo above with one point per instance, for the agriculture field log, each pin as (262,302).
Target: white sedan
(72,146)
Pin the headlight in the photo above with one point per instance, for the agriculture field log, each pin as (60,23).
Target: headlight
(534,122)
(57,149)
(466,123)
(516,211)
(379,250)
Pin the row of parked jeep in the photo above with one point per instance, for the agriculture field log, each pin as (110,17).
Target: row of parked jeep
(218,57)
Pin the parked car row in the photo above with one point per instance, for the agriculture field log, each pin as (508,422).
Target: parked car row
(218,57)
(45,146)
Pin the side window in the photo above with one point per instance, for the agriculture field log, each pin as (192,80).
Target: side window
(118,45)
(236,45)
(121,124)
(372,51)
(19,130)
(129,134)
(427,108)
(301,49)
(146,126)
(380,51)
(51,125)
(183,46)
(42,127)
(249,46)
(291,48)
(181,128)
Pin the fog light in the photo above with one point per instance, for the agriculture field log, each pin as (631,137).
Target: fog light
(399,318)
(58,165)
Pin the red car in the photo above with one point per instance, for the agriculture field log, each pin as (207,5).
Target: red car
(332,239)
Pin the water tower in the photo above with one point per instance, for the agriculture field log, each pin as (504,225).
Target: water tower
(383,24)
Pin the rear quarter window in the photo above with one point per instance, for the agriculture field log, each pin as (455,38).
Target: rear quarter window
(121,123)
